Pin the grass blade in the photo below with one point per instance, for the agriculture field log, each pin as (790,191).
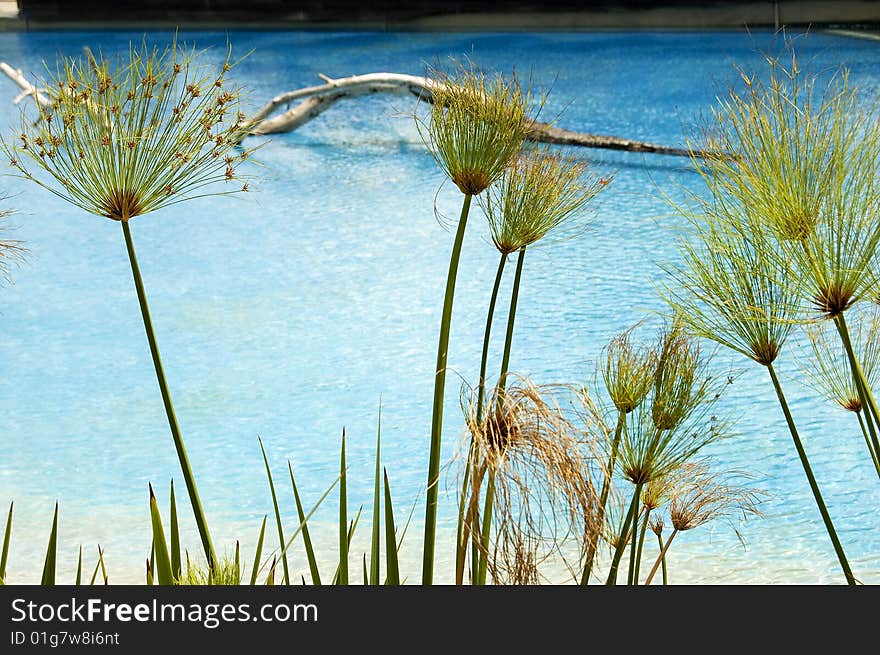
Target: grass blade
(308,516)
(97,567)
(366,574)
(349,534)
(103,568)
(377,517)
(307,540)
(175,537)
(259,552)
(163,559)
(270,580)
(7,537)
(237,563)
(391,563)
(277,514)
(343,519)
(79,567)
(149,574)
(51,552)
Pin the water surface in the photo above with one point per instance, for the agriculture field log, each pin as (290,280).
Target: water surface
(290,312)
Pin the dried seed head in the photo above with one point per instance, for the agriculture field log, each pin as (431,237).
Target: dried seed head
(705,495)
(543,492)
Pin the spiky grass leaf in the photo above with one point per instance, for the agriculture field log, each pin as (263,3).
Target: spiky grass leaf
(277,514)
(259,553)
(175,537)
(79,567)
(307,540)
(7,538)
(164,573)
(48,578)
(392,567)
(374,544)
(343,520)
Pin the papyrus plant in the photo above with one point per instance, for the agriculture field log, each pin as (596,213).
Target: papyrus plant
(790,226)
(11,250)
(541,194)
(827,369)
(476,126)
(125,136)
(701,495)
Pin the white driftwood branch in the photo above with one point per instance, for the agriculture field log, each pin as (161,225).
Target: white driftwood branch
(313,100)
(27,89)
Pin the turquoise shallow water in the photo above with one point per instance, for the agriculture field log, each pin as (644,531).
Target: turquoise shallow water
(290,312)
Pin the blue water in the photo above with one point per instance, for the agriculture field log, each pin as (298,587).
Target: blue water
(290,312)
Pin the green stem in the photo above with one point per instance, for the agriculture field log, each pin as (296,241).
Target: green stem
(511,318)
(826,518)
(502,381)
(439,389)
(868,443)
(461,537)
(661,559)
(872,415)
(489,316)
(603,496)
(487,524)
(188,476)
(641,544)
(624,534)
(632,549)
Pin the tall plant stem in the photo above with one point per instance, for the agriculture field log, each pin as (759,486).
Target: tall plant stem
(489,316)
(661,558)
(872,415)
(487,525)
(439,389)
(188,476)
(502,382)
(638,560)
(603,496)
(826,518)
(461,533)
(624,534)
(868,443)
(511,319)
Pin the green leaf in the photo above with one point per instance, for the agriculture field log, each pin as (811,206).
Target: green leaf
(7,537)
(149,574)
(343,519)
(175,537)
(237,563)
(374,546)
(79,567)
(49,565)
(307,540)
(259,553)
(163,559)
(97,567)
(391,563)
(101,563)
(277,513)
(349,534)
